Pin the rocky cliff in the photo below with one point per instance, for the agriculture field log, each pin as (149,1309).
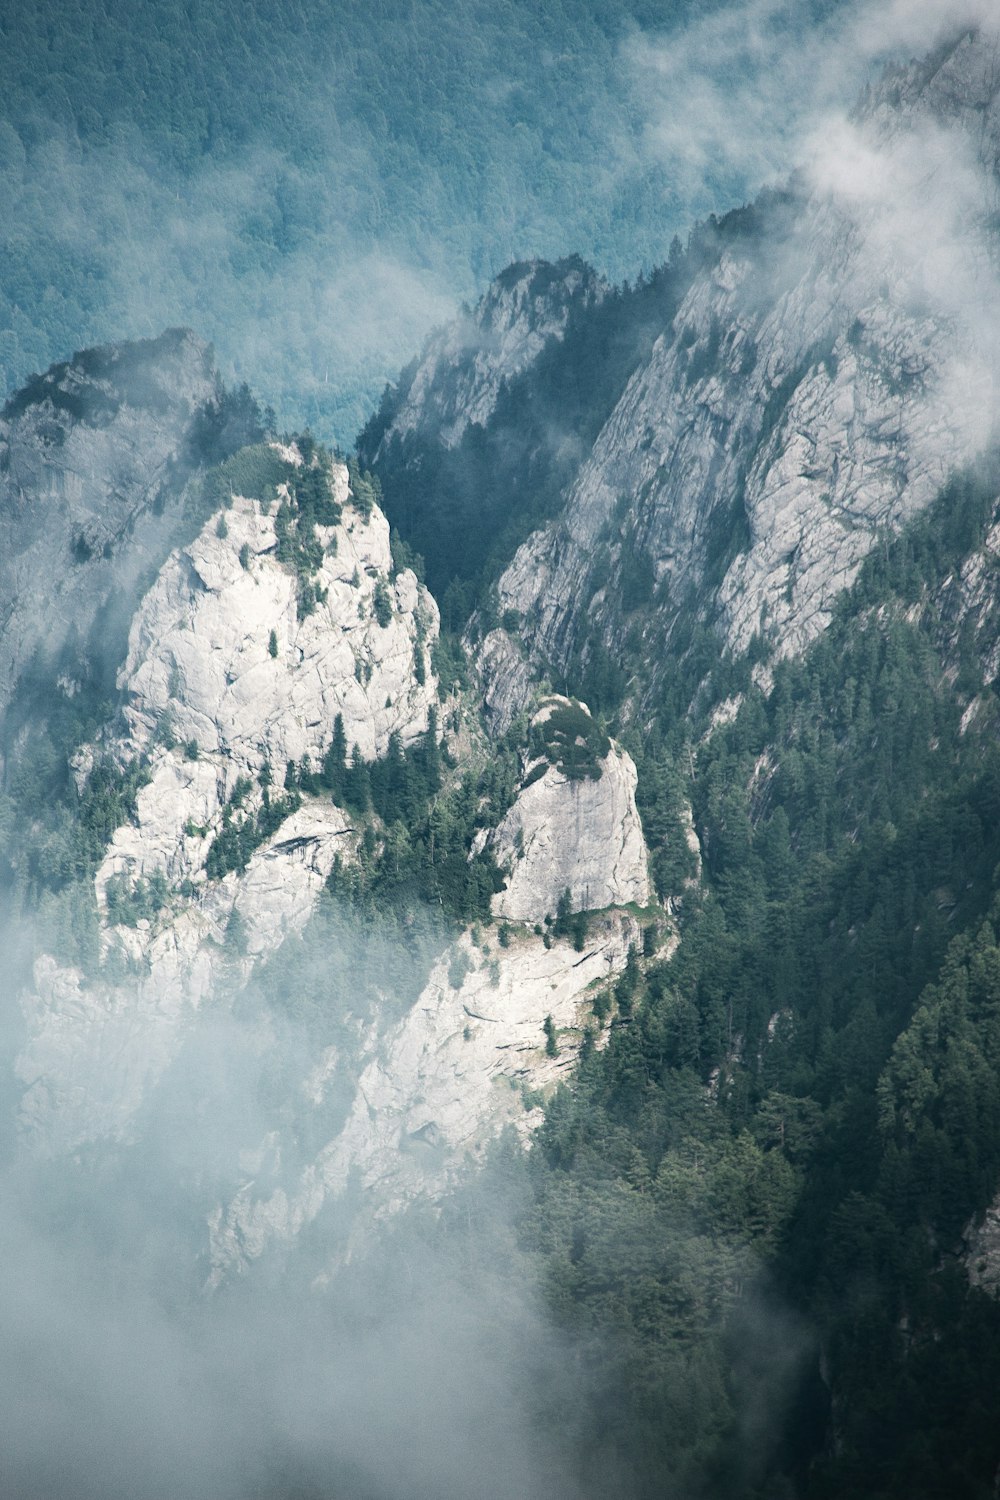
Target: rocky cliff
(827,365)
(94,457)
(472,1056)
(227,681)
(249,664)
(573,828)
(812,388)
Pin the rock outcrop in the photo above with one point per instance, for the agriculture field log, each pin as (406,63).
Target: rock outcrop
(469,1058)
(473,1053)
(220,656)
(459,375)
(982,1251)
(571,832)
(227,682)
(93,459)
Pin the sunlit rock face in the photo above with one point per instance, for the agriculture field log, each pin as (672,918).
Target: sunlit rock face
(469,1058)
(219,653)
(982,1250)
(575,833)
(221,658)
(459,375)
(92,461)
(226,681)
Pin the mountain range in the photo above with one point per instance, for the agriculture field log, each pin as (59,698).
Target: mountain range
(554,846)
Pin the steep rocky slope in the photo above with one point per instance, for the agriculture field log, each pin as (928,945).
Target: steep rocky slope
(472,1056)
(226,682)
(812,390)
(459,375)
(271,650)
(94,456)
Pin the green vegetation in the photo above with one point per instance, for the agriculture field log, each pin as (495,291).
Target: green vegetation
(422,856)
(242,832)
(569,923)
(382,603)
(551,1045)
(798,1113)
(52,834)
(570,739)
(255,472)
(132,901)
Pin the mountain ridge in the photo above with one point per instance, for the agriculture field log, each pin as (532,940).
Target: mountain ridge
(671,856)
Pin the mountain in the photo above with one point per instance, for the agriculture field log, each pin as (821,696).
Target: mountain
(384,164)
(818,371)
(604,763)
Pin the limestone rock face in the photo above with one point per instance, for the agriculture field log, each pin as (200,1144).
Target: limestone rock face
(818,385)
(92,461)
(580,834)
(441,1085)
(982,1251)
(218,652)
(201,646)
(458,378)
(201,662)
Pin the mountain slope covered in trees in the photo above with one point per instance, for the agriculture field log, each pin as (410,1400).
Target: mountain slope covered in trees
(309,185)
(264,988)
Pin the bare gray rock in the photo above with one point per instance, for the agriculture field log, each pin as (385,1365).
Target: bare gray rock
(93,456)
(468,1059)
(200,658)
(572,833)
(817,387)
(458,377)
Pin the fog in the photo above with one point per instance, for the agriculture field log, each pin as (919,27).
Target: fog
(358,180)
(419,1370)
(429,1365)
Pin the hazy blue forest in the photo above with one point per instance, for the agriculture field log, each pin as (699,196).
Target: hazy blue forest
(740,1236)
(312,187)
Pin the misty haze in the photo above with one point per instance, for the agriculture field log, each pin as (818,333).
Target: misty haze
(499,770)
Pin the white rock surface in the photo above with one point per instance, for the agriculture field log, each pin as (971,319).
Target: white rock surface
(92,1052)
(200,655)
(581,836)
(442,1084)
(199,651)
(982,1250)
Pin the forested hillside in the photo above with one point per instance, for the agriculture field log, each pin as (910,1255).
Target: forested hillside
(312,186)
(759,1194)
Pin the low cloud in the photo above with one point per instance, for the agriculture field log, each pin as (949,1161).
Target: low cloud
(732,100)
(410,1377)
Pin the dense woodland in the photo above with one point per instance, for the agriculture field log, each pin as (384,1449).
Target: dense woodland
(314,186)
(748,1214)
